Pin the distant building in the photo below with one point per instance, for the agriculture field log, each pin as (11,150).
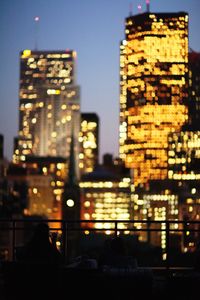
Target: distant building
(53,171)
(170,200)
(71,192)
(153,90)
(175,198)
(15,196)
(159,201)
(184,156)
(106,195)
(184,170)
(1,158)
(49,105)
(159,124)
(3,180)
(194,90)
(1,146)
(43,180)
(89,142)
(71,205)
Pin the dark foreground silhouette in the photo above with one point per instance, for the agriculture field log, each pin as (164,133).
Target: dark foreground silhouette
(40,249)
(115,255)
(35,273)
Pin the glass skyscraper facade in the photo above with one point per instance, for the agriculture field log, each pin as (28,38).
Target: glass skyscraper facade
(49,104)
(153,90)
(159,121)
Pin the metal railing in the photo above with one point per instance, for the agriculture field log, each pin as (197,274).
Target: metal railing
(14,232)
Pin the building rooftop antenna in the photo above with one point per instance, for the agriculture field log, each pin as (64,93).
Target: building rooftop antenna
(148,5)
(36,21)
(139,8)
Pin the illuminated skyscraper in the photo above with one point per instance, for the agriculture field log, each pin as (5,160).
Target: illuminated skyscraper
(153,90)
(194,90)
(89,142)
(49,105)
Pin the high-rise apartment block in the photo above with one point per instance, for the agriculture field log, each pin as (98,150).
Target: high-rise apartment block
(49,104)
(154,90)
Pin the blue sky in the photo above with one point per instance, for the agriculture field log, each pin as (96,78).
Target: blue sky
(94,29)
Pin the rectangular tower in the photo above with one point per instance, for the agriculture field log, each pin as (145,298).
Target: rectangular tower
(89,142)
(49,104)
(153,90)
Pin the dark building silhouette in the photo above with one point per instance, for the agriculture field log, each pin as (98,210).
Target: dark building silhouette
(194,90)
(1,146)
(71,194)
(71,207)
(45,179)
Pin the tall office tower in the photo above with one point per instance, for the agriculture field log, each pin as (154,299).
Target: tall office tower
(194,90)
(153,90)
(49,104)
(89,142)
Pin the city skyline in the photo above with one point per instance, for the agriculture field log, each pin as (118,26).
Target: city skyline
(97,47)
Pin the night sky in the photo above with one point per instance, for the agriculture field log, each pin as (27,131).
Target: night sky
(94,29)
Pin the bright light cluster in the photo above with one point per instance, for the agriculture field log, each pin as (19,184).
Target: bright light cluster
(153,90)
(88,138)
(105,200)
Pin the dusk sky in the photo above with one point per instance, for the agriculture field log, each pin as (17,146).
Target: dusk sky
(94,29)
